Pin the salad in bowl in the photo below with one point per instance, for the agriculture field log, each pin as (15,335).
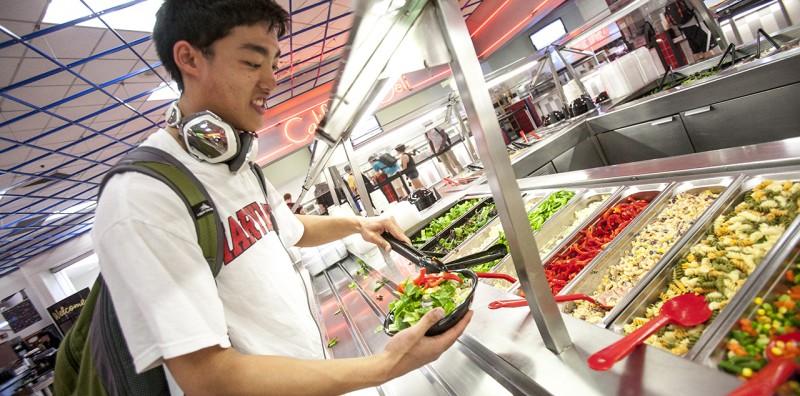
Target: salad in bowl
(452,291)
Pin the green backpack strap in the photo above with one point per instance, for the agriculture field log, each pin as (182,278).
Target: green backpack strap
(93,359)
(164,167)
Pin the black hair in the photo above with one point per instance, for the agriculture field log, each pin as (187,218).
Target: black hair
(287,196)
(401,148)
(202,22)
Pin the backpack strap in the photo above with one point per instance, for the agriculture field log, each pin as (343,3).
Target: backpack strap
(166,168)
(261,182)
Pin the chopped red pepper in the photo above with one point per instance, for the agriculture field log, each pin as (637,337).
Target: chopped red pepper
(570,261)
(421,278)
(401,288)
(434,281)
(428,281)
(451,276)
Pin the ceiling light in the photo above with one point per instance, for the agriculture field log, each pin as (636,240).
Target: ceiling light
(139,17)
(72,209)
(165,92)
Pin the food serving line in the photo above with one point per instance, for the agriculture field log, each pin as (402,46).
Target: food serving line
(544,349)
(502,350)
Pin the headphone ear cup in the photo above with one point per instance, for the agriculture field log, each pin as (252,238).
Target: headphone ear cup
(209,138)
(173,115)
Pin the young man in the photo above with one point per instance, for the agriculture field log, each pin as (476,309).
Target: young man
(440,145)
(249,330)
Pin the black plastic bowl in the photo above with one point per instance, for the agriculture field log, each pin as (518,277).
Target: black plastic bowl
(448,321)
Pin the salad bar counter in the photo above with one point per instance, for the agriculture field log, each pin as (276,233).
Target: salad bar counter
(728,234)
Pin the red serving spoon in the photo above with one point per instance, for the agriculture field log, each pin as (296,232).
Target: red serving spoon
(564,298)
(687,310)
(774,374)
(493,275)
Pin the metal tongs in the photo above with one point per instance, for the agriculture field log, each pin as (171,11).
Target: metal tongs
(431,263)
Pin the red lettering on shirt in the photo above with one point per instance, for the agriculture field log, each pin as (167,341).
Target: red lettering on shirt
(248,224)
(239,241)
(255,214)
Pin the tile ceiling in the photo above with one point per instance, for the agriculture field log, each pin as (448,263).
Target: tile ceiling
(75,99)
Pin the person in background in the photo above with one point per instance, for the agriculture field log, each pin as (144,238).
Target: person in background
(350,180)
(409,166)
(380,175)
(441,147)
(288,199)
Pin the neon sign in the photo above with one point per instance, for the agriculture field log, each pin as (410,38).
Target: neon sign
(298,129)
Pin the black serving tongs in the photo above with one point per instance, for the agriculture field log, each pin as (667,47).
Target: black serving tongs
(431,263)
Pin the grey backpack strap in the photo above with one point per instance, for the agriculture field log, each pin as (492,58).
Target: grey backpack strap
(262,182)
(112,362)
(164,167)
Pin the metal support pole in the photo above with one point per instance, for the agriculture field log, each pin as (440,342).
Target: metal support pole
(339,182)
(571,72)
(557,82)
(539,70)
(500,175)
(331,180)
(473,154)
(587,53)
(706,16)
(361,187)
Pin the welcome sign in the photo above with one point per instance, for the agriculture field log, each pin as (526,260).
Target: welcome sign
(66,311)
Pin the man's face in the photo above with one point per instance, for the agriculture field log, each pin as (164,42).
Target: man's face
(240,74)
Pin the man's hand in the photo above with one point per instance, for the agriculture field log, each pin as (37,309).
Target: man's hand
(371,229)
(411,349)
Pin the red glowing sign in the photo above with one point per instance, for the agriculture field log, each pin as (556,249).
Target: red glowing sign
(301,128)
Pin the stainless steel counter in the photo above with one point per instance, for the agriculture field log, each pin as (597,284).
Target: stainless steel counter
(755,76)
(502,351)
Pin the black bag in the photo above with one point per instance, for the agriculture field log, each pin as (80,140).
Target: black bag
(678,12)
(388,159)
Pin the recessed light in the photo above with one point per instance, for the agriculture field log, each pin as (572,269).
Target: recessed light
(139,17)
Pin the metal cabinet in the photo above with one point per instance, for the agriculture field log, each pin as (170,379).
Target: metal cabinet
(547,169)
(664,137)
(583,156)
(762,117)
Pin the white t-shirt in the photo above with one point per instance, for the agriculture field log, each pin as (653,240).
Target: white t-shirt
(167,301)
(436,138)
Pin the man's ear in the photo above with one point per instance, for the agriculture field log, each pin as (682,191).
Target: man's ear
(187,58)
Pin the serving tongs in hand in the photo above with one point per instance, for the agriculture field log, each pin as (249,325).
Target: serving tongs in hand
(434,264)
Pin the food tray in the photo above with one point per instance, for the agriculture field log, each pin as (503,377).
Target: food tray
(482,200)
(478,241)
(552,228)
(592,276)
(769,285)
(651,192)
(431,245)
(657,281)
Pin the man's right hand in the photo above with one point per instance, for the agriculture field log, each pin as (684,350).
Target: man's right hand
(411,349)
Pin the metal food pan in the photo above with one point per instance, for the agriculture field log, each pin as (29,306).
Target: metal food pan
(554,225)
(652,192)
(481,202)
(660,280)
(474,243)
(770,285)
(590,278)
(432,244)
